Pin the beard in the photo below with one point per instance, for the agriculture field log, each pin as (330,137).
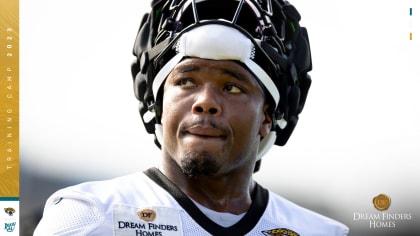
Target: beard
(195,164)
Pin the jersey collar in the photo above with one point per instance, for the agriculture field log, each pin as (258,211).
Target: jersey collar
(246,224)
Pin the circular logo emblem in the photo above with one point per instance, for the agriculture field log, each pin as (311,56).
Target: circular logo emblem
(382,202)
(147,214)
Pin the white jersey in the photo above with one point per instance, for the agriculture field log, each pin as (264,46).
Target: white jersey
(149,204)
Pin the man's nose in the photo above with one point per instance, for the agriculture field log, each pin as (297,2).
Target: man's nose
(207,101)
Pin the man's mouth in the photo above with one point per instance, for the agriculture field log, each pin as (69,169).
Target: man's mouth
(205,131)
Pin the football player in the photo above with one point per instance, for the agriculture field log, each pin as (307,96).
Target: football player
(219,83)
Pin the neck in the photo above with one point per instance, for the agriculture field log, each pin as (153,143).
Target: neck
(229,192)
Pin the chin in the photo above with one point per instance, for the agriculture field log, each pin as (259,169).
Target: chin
(196,164)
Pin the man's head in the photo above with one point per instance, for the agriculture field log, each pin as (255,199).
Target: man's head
(204,127)
(262,36)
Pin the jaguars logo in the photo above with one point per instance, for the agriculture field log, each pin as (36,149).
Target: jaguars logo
(10,211)
(280,232)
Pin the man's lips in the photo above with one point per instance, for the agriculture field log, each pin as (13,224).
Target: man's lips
(205,131)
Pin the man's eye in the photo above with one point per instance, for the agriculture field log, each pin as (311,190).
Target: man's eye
(185,83)
(233,88)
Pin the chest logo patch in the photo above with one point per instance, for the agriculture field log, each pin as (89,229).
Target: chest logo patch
(146,221)
(147,215)
(280,232)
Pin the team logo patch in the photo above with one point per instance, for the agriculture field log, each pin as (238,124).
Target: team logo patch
(10,211)
(280,232)
(147,214)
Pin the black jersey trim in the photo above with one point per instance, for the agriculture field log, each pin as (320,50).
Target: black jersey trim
(245,225)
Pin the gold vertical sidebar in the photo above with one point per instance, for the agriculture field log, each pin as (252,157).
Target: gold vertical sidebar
(9,98)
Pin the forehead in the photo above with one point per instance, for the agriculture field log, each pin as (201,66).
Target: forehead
(232,70)
(228,67)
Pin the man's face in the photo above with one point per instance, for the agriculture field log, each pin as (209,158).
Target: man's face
(214,114)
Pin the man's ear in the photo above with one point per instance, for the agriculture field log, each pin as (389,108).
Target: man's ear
(266,123)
